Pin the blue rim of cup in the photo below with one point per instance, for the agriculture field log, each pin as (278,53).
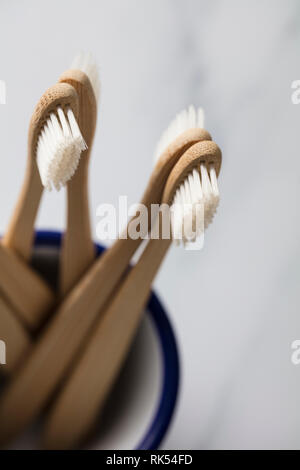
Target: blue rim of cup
(169,353)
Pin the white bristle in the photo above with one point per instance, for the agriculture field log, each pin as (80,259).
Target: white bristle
(186,119)
(59,147)
(176,216)
(194,204)
(196,200)
(86,63)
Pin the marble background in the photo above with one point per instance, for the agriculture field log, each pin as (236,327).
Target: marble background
(234,305)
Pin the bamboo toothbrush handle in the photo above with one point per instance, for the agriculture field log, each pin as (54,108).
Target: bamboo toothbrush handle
(20,232)
(85,392)
(12,332)
(78,251)
(27,292)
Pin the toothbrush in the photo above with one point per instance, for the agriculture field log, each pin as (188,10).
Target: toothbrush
(57,161)
(56,141)
(19,281)
(57,346)
(55,144)
(26,298)
(78,250)
(84,392)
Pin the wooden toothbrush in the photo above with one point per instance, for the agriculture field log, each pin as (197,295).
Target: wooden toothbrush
(55,144)
(20,232)
(25,297)
(78,250)
(28,294)
(17,280)
(83,394)
(56,348)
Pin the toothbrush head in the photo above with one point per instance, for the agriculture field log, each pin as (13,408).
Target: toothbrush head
(83,76)
(183,132)
(186,124)
(86,63)
(192,191)
(54,135)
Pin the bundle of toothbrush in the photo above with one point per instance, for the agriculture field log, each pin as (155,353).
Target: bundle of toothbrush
(96,310)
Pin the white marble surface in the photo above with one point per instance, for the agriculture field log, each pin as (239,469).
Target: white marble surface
(235,305)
